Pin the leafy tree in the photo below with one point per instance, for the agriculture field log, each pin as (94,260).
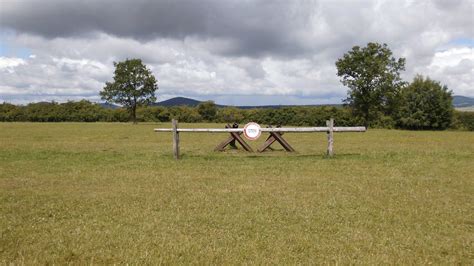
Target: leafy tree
(373,77)
(44,112)
(207,110)
(463,120)
(185,114)
(425,105)
(230,115)
(82,111)
(133,85)
(154,114)
(11,113)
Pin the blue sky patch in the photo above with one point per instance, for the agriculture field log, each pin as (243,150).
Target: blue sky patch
(469,42)
(9,49)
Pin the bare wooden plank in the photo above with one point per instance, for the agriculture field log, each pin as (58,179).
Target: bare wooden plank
(282,129)
(175,139)
(204,130)
(295,129)
(313,129)
(349,129)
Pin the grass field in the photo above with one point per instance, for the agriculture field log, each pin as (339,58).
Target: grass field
(112,193)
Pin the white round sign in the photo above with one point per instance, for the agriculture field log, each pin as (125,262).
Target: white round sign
(252,131)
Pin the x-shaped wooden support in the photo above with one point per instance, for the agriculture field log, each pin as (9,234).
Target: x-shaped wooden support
(276,136)
(234,136)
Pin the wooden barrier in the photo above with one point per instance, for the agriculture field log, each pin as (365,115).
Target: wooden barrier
(330,129)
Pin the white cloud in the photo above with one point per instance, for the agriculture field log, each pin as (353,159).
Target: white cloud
(454,67)
(8,64)
(451,57)
(271,60)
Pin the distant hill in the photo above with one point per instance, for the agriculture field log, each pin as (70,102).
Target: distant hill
(458,102)
(462,101)
(178,101)
(109,106)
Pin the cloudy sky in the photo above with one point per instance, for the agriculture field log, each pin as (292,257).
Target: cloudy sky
(238,52)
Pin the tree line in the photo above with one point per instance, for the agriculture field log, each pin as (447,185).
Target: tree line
(377,97)
(377,91)
(85,111)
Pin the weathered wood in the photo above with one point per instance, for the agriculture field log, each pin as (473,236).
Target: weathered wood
(175,139)
(223,144)
(276,136)
(330,132)
(241,141)
(282,129)
(231,140)
(313,129)
(282,141)
(202,130)
(232,143)
(267,144)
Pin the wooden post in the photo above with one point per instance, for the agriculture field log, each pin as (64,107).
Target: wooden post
(330,125)
(175,139)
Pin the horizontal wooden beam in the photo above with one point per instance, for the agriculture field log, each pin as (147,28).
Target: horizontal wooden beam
(278,129)
(208,130)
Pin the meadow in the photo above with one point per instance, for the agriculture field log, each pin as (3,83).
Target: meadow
(112,193)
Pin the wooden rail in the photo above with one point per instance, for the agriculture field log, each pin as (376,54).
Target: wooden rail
(277,129)
(330,129)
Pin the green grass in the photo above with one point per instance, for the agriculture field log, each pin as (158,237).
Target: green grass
(112,193)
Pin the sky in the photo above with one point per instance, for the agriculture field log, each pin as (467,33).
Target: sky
(238,52)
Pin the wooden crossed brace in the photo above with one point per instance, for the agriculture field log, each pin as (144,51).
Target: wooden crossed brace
(235,136)
(276,136)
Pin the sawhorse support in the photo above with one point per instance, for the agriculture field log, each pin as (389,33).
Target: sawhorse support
(276,136)
(234,136)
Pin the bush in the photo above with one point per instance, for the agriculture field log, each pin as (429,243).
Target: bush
(185,114)
(425,104)
(230,115)
(207,110)
(11,113)
(82,111)
(463,120)
(44,112)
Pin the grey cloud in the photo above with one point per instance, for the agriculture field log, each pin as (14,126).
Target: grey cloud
(242,28)
(254,27)
(448,4)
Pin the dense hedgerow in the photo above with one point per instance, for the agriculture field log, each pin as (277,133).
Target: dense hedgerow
(463,120)
(85,111)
